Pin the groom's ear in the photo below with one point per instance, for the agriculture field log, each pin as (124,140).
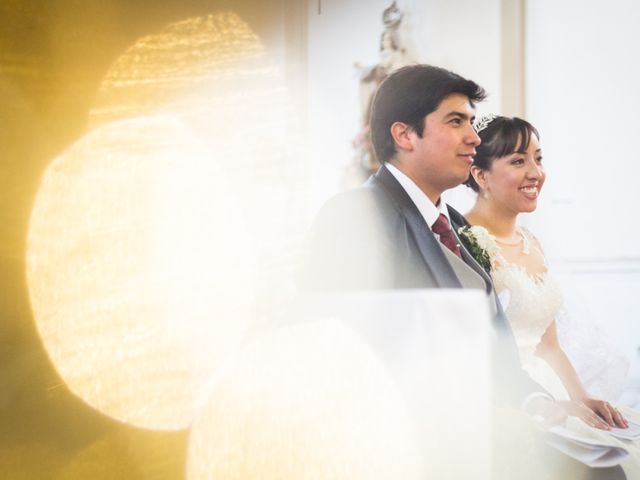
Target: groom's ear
(401,134)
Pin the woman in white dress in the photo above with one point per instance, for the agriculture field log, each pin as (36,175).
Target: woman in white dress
(508,175)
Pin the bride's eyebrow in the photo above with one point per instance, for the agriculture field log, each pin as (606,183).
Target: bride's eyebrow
(517,152)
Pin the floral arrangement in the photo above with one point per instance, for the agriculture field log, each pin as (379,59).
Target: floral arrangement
(477,242)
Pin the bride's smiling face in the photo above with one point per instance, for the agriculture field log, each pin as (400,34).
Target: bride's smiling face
(515,180)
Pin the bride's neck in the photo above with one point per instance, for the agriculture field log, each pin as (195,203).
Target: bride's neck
(499,222)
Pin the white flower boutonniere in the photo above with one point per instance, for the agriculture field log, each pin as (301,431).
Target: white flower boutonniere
(478,242)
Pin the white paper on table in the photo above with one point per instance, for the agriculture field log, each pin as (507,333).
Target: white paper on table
(589,451)
(632,432)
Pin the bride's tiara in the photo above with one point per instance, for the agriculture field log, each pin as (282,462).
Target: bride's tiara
(483,122)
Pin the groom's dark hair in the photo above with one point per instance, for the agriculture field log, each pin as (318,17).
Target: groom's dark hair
(408,95)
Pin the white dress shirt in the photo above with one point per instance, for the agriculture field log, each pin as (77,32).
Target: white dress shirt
(427,209)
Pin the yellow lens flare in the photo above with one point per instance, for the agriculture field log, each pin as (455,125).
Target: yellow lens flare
(166,233)
(308,401)
(215,74)
(165,69)
(140,278)
(127,453)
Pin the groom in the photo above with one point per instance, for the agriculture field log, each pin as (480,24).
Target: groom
(394,232)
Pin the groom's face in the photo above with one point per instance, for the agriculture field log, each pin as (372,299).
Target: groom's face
(444,154)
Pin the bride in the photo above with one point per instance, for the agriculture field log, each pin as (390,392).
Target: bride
(508,175)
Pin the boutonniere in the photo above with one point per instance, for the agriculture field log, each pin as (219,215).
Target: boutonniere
(478,252)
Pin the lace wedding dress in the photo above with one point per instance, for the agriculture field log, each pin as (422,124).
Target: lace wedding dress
(531,303)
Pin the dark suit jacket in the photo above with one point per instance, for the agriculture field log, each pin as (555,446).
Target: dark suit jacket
(374,237)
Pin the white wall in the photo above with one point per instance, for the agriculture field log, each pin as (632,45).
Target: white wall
(347,31)
(581,93)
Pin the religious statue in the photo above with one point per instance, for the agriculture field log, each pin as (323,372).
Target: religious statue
(392,56)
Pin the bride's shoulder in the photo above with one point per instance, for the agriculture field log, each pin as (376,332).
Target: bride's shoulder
(530,239)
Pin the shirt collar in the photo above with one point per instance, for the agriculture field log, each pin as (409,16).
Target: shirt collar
(427,209)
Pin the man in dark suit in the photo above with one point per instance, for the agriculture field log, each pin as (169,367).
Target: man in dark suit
(394,232)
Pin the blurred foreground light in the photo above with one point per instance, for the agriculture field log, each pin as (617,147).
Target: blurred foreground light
(127,453)
(169,69)
(167,232)
(140,276)
(215,74)
(308,401)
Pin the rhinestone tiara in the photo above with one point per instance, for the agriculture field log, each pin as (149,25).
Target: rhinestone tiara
(483,122)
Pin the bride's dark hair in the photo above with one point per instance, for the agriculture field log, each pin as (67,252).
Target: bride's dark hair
(502,136)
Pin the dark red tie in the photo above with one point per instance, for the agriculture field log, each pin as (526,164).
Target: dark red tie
(443,229)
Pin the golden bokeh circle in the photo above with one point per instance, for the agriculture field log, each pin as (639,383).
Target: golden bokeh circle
(140,276)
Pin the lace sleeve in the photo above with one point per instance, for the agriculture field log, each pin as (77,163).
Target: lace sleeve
(602,369)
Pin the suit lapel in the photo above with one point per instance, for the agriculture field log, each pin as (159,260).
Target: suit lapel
(473,263)
(458,221)
(428,247)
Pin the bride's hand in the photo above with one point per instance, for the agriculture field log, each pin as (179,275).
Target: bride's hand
(588,414)
(606,412)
